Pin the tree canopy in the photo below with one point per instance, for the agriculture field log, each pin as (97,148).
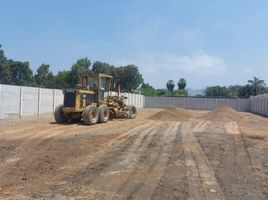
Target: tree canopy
(181,84)
(128,77)
(170,85)
(5,72)
(101,67)
(43,77)
(20,73)
(217,91)
(253,88)
(81,65)
(257,85)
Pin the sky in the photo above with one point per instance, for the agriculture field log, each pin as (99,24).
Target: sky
(208,42)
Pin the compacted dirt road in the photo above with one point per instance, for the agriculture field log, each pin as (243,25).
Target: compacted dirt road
(163,154)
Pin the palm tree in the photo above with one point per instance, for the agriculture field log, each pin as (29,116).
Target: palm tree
(257,85)
(170,85)
(182,84)
(235,90)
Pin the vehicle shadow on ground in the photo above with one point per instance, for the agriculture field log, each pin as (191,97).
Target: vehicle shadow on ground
(67,123)
(74,123)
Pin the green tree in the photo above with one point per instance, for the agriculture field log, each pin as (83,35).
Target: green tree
(234,90)
(50,80)
(101,67)
(21,73)
(181,84)
(181,92)
(217,91)
(147,90)
(43,77)
(128,77)
(81,65)
(3,58)
(257,85)
(160,92)
(170,85)
(61,79)
(245,91)
(5,72)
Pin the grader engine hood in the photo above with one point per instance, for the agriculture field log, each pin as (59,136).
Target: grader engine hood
(69,97)
(76,100)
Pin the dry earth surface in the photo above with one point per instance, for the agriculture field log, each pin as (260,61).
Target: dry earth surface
(162,154)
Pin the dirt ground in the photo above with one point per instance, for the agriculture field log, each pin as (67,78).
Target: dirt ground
(162,154)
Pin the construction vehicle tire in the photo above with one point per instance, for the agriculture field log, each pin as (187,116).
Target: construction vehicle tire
(132,112)
(91,115)
(58,115)
(104,114)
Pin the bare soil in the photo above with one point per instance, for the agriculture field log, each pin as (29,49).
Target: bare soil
(162,154)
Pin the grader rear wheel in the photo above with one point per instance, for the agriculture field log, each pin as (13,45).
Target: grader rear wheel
(91,115)
(104,114)
(58,115)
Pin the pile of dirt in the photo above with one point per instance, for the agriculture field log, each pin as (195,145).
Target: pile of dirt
(224,114)
(171,114)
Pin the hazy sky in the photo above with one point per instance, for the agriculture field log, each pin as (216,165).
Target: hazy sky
(207,42)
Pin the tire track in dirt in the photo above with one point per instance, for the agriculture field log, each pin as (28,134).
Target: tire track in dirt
(37,157)
(118,171)
(90,169)
(43,136)
(173,183)
(17,128)
(257,150)
(62,131)
(232,128)
(224,145)
(239,181)
(135,159)
(46,138)
(201,126)
(47,130)
(144,179)
(201,177)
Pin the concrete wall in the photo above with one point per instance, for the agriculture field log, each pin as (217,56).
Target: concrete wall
(28,101)
(196,103)
(259,104)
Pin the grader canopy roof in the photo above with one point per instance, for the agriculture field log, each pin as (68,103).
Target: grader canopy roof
(95,80)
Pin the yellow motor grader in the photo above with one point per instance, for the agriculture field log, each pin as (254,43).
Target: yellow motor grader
(92,101)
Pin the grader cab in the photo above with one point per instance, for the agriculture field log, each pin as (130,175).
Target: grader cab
(92,101)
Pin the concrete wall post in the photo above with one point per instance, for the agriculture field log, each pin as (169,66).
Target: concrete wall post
(54,98)
(39,101)
(21,101)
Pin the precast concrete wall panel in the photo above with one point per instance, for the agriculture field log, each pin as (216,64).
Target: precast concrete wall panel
(197,103)
(259,104)
(46,102)
(30,101)
(10,100)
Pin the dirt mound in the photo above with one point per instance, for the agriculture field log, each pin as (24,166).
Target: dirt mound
(224,113)
(171,114)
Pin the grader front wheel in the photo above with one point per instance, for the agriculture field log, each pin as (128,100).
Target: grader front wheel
(58,115)
(132,112)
